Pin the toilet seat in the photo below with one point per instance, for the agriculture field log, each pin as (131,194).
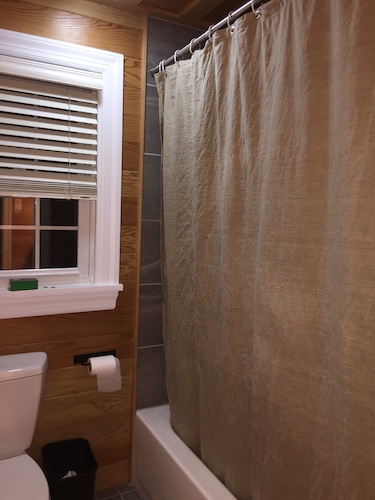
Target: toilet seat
(21,477)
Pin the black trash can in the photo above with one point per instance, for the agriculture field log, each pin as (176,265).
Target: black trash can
(70,469)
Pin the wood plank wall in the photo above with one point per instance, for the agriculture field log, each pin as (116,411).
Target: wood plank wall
(72,406)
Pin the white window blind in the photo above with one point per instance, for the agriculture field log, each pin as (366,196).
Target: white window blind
(48,139)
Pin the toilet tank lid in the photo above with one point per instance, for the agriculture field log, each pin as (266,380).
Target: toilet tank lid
(15,366)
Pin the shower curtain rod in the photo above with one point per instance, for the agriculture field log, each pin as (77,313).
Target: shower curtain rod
(230,18)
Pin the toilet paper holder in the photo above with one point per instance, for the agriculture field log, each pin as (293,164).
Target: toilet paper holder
(82,359)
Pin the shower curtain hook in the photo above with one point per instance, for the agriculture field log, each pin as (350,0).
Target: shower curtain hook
(175,56)
(257,13)
(191,46)
(231,28)
(228,18)
(209,32)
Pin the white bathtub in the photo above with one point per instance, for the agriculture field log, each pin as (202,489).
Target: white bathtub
(165,468)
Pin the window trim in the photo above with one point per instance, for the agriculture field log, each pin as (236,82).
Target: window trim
(62,62)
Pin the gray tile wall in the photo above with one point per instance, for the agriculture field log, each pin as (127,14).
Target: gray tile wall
(163,39)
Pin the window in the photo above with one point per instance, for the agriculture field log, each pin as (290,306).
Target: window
(39,233)
(59,197)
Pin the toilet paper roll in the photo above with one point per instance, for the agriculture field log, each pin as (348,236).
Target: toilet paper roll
(108,372)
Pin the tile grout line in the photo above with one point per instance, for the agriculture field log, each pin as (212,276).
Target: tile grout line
(150,346)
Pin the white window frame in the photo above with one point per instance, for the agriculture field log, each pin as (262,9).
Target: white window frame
(41,58)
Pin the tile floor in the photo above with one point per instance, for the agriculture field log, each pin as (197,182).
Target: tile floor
(122,492)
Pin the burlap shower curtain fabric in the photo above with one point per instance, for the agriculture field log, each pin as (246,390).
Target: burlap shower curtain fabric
(269,251)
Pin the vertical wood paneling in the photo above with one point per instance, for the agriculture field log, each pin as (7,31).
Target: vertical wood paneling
(72,405)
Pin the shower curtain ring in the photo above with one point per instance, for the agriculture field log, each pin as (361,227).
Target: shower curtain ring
(209,32)
(191,46)
(175,56)
(162,66)
(257,13)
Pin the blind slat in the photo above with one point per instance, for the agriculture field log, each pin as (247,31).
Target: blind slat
(47,135)
(42,123)
(46,166)
(46,155)
(55,114)
(24,144)
(25,99)
(53,177)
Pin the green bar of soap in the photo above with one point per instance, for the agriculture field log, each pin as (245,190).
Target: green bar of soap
(23,284)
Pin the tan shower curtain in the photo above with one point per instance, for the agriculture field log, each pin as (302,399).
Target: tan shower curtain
(269,251)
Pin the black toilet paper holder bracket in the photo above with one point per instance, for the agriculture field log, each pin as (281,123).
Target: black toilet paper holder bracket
(82,359)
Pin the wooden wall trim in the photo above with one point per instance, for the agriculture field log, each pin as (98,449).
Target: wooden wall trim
(138,263)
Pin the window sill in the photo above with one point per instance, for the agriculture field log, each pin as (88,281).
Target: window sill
(61,299)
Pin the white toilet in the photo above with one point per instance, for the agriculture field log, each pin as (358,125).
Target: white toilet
(21,387)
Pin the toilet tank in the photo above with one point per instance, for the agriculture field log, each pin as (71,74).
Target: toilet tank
(22,379)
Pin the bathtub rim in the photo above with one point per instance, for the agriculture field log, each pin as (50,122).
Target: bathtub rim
(190,476)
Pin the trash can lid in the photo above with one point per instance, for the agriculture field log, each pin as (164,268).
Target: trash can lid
(21,477)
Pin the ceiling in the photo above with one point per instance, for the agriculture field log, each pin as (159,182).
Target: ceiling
(198,13)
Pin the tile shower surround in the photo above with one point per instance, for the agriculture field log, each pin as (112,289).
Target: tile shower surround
(163,39)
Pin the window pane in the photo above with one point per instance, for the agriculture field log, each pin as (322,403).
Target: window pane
(58,249)
(17,249)
(58,212)
(17,211)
